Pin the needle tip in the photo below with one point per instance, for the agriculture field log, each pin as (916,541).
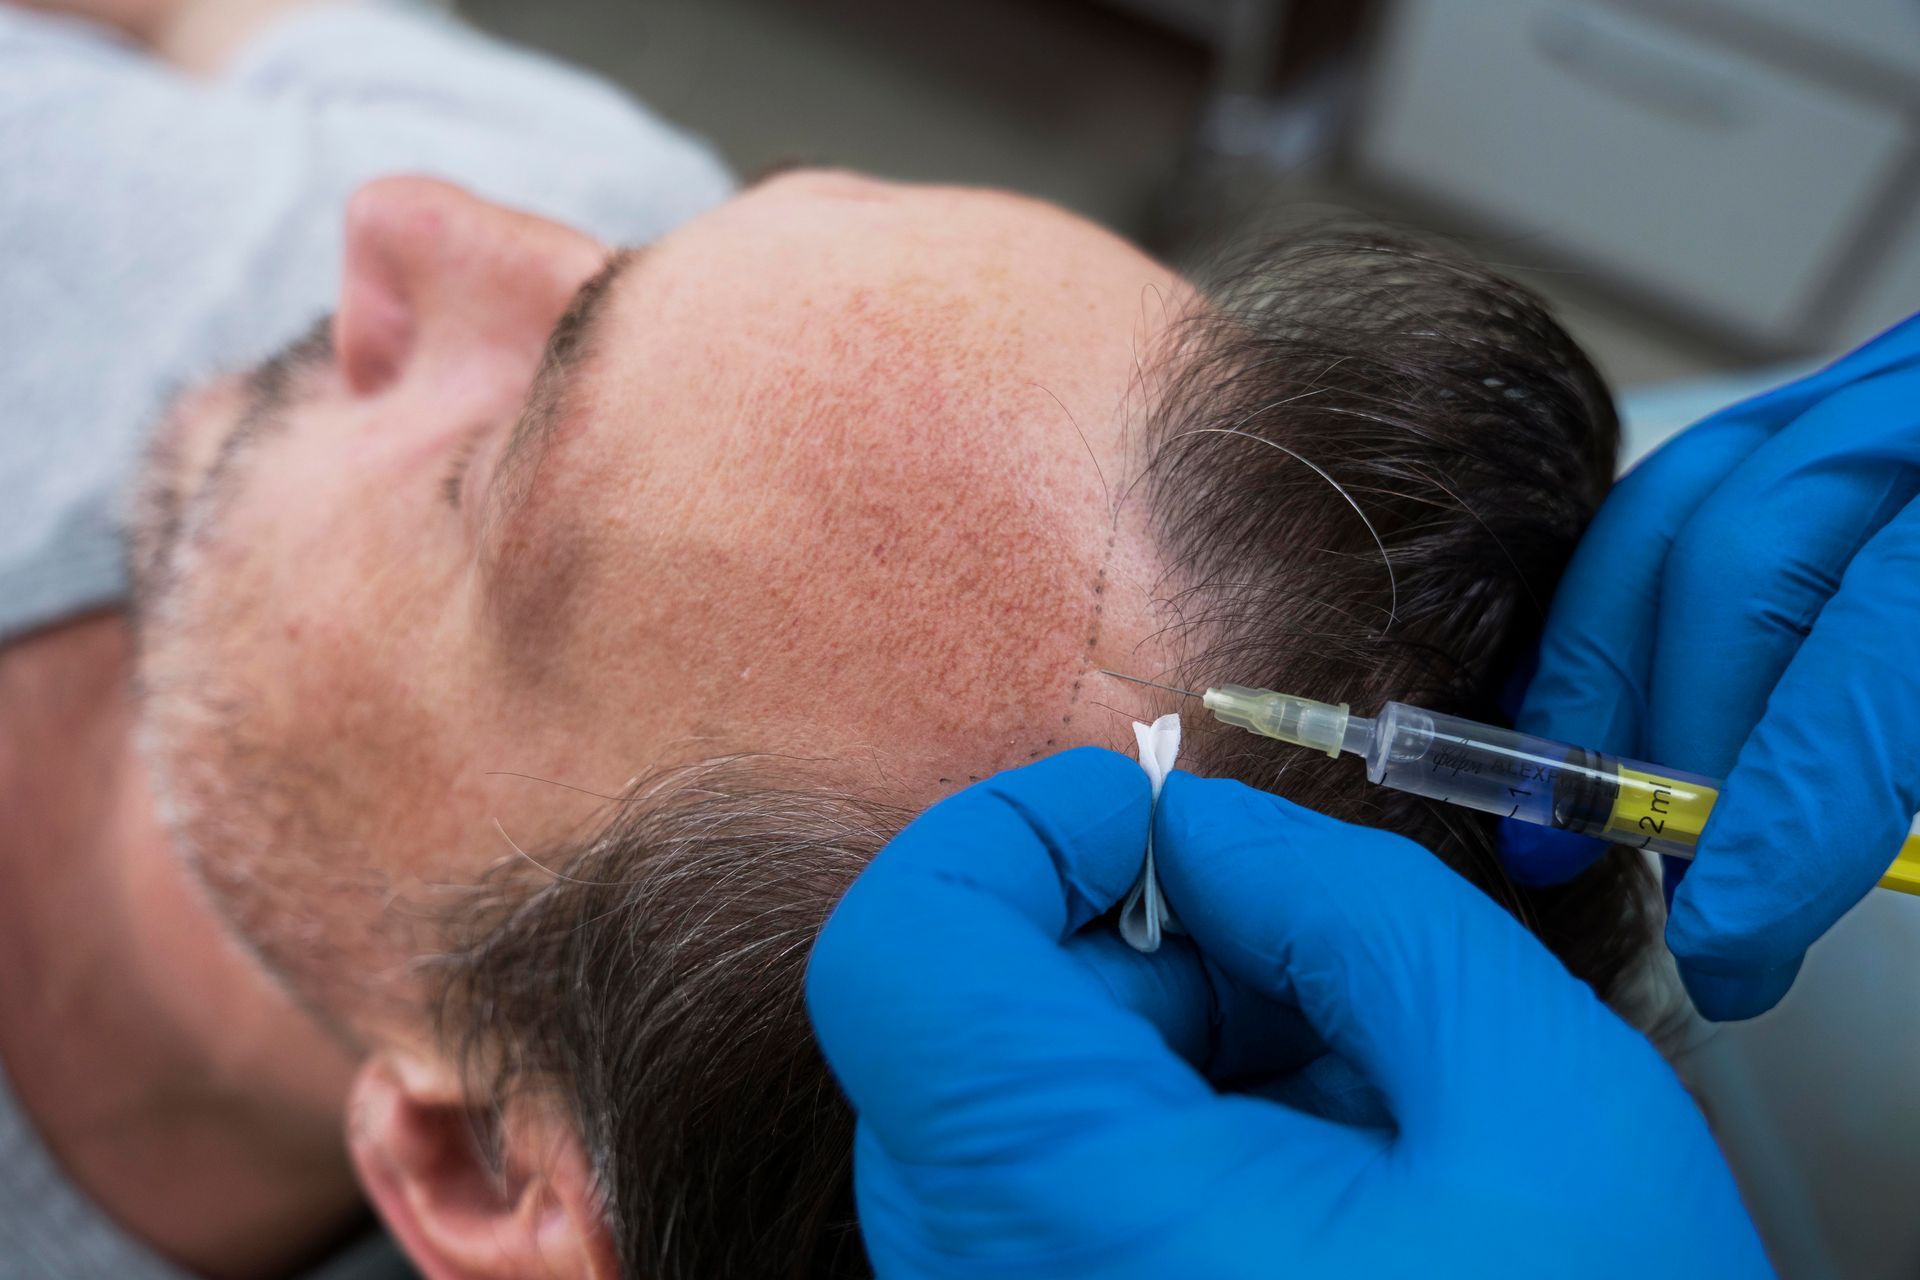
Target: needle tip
(1185,693)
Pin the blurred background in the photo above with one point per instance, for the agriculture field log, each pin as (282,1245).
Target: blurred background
(1702,187)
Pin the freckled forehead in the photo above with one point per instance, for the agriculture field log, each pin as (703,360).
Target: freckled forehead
(856,508)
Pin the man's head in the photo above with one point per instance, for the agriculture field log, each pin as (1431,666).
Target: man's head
(775,530)
(802,479)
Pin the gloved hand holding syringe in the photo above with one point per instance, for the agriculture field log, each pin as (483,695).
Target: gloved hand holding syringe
(1746,602)
(1500,771)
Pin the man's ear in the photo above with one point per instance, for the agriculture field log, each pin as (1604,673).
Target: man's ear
(468,1194)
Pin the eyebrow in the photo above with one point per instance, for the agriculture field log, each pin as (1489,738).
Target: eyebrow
(568,348)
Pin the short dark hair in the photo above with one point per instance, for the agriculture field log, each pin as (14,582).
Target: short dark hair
(653,990)
(1368,463)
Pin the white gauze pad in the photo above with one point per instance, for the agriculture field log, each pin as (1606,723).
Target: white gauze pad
(1144,915)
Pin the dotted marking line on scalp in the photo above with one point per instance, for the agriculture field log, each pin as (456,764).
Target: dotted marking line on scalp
(1094,626)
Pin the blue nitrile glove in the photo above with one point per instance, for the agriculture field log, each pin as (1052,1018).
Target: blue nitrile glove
(1747,605)
(1017,1120)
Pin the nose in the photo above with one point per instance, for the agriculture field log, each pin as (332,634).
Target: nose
(434,274)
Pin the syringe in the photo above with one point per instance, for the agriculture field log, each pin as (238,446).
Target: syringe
(1495,770)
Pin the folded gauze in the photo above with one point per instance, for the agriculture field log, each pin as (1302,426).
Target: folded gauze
(1144,915)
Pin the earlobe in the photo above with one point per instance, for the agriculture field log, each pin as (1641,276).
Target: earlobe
(467,1196)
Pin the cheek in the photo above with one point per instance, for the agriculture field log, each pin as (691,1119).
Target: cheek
(330,615)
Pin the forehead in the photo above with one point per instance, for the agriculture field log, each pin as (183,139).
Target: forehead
(841,474)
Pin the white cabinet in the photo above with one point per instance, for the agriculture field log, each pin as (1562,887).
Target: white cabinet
(1882,33)
(1727,185)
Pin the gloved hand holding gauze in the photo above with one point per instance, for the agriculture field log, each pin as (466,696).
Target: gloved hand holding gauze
(1018,1117)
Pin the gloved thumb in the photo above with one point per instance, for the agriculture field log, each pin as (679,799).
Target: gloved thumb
(1397,962)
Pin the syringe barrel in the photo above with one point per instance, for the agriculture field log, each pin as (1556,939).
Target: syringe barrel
(1538,780)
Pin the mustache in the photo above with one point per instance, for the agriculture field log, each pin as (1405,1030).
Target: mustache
(268,390)
(270,385)
(165,494)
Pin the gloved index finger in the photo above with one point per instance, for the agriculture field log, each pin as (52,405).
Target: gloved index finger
(958,1025)
(1596,653)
